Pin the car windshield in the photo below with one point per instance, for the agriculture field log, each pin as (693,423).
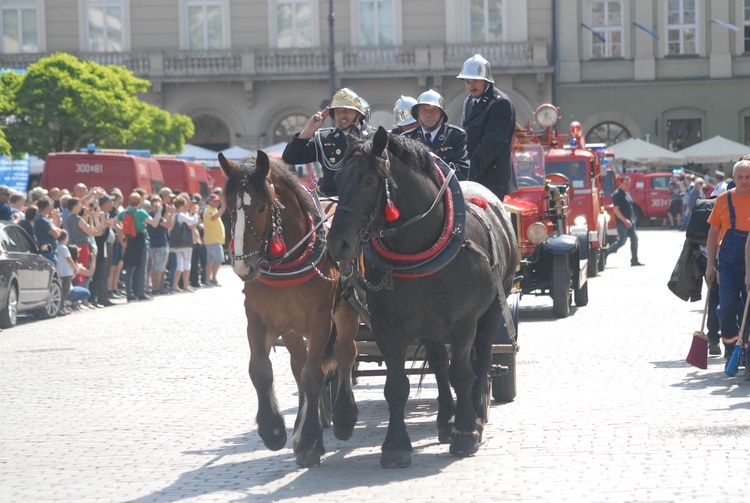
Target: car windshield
(574,170)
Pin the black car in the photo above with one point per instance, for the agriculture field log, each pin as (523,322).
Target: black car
(28,281)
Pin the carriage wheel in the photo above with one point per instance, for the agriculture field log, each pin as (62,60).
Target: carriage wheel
(560,288)
(504,386)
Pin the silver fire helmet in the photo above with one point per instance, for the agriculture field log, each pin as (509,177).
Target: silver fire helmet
(476,68)
(402,111)
(430,97)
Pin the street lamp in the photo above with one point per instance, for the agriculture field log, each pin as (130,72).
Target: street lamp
(331,58)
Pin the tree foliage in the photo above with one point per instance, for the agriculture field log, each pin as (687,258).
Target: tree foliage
(63,104)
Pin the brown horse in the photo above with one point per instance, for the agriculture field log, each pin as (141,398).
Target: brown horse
(291,290)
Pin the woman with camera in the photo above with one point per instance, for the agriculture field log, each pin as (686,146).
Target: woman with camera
(83,222)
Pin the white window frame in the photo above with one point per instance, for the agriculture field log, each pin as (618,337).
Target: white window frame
(273,36)
(225,21)
(38,6)
(83,11)
(397,22)
(680,27)
(607,30)
(504,5)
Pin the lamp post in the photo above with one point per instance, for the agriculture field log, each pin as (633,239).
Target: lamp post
(331,57)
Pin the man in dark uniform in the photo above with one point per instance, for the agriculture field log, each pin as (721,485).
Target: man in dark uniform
(328,146)
(489,119)
(402,113)
(446,140)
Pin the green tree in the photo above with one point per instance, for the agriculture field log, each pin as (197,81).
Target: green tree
(9,81)
(63,104)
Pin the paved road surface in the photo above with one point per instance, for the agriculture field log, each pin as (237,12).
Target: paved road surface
(151,402)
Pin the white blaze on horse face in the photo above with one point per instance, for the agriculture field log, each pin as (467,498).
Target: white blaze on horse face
(239,235)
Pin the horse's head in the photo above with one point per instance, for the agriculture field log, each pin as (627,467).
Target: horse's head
(364,186)
(256,211)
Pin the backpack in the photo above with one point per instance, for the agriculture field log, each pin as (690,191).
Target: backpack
(181,235)
(698,226)
(128,225)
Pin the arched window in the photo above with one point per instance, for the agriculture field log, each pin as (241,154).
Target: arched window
(210,132)
(607,132)
(289,126)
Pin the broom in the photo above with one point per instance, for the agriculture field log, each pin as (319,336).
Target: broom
(733,365)
(698,354)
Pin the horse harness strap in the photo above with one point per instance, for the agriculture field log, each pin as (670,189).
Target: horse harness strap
(442,253)
(493,259)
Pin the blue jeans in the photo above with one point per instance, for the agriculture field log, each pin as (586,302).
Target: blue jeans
(78,293)
(623,233)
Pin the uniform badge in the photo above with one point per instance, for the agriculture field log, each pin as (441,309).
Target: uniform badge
(332,159)
(338,151)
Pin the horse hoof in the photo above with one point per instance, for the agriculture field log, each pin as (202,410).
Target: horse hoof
(395,459)
(344,432)
(308,459)
(274,439)
(445,433)
(466,444)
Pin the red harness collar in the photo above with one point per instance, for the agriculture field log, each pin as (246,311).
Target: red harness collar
(301,269)
(431,252)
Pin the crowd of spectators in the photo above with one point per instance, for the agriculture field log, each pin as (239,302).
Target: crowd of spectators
(108,247)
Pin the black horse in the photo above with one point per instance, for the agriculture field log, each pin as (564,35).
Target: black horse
(439,263)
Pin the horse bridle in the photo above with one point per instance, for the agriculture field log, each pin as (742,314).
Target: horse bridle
(366,234)
(274,223)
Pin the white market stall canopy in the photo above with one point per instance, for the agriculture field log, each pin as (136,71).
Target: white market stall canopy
(642,152)
(715,151)
(236,153)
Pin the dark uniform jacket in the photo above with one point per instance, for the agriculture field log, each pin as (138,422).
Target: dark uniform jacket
(449,144)
(490,126)
(328,147)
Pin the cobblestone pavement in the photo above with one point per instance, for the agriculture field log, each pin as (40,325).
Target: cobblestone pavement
(151,402)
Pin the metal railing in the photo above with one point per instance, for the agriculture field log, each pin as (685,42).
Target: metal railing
(304,63)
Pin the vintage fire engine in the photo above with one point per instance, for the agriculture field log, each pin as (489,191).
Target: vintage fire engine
(552,261)
(583,166)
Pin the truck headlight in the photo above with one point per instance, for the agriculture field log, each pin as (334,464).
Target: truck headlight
(537,233)
(580,220)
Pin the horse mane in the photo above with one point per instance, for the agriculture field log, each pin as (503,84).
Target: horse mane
(247,173)
(414,154)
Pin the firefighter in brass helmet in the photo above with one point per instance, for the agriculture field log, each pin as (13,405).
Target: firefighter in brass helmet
(328,145)
(489,119)
(445,140)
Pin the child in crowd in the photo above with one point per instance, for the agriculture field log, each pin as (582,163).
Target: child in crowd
(68,268)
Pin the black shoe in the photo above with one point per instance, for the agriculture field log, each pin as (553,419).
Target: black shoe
(146,297)
(132,298)
(634,264)
(714,348)
(106,303)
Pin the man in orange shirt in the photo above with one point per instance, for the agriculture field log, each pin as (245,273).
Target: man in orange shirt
(730,223)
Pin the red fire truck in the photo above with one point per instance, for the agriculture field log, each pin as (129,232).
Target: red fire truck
(582,166)
(552,261)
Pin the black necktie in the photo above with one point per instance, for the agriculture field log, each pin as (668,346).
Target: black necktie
(428,138)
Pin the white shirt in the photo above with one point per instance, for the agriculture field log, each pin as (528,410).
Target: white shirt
(63,266)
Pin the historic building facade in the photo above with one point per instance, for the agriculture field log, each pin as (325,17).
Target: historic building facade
(675,72)
(251,72)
